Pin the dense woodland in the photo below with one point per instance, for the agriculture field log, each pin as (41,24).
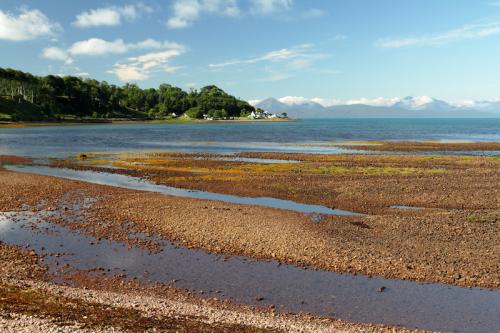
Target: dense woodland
(24,96)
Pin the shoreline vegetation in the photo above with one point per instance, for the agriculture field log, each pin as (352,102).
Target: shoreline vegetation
(180,120)
(27,98)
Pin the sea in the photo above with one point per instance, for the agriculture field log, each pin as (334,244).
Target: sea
(309,136)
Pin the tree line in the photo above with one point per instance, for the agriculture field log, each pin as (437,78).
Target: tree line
(56,97)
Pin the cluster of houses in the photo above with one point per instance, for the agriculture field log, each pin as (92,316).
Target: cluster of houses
(258,114)
(261,114)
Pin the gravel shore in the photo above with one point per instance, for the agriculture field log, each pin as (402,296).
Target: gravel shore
(436,244)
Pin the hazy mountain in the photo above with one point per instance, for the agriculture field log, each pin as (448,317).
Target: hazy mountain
(423,103)
(408,107)
(272,105)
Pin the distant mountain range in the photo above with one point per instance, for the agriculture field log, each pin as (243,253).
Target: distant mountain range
(408,107)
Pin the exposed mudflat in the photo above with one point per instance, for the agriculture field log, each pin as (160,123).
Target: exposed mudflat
(427,245)
(452,238)
(425,146)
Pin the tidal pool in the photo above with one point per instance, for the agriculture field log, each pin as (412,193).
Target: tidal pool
(135,183)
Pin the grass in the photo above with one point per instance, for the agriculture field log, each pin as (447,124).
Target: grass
(491,217)
(5,116)
(170,162)
(373,171)
(10,110)
(178,120)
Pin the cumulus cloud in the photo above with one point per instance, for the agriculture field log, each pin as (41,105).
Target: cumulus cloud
(58,54)
(27,25)
(97,46)
(127,72)
(185,12)
(266,7)
(109,16)
(141,67)
(470,31)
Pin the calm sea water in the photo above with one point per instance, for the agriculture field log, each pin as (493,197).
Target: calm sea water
(302,136)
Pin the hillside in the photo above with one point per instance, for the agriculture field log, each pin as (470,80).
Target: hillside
(27,97)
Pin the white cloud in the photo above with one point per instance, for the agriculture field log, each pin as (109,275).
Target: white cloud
(141,67)
(109,16)
(326,102)
(254,102)
(266,7)
(292,100)
(55,53)
(97,46)
(313,13)
(471,31)
(185,12)
(129,72)
(279,64)
(299,52)
(409,103)
(298,64)
(28,25)
(154,59)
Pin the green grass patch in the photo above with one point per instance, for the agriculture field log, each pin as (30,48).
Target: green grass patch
(372,171)
(12,111)
(491,217)
(179,120)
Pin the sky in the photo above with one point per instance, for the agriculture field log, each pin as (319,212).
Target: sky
(328,51)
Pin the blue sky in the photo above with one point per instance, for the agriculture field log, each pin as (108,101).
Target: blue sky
(328,50)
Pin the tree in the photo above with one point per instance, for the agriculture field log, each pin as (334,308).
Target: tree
(195,113)
(57,97)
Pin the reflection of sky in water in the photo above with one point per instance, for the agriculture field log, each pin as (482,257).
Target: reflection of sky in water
(344,296)
(142,185)
(301,136)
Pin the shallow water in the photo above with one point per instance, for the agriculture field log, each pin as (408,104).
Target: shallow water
(290,289)
(310,136)
(135,183)
(405,207)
